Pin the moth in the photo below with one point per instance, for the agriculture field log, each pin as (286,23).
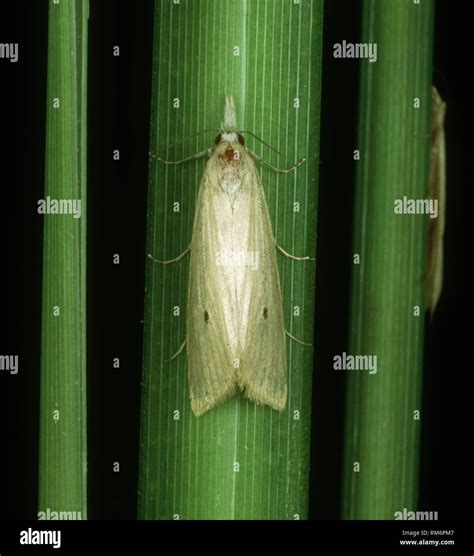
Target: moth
(437,190)
(235,333)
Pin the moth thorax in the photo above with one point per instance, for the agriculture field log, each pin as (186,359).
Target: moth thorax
(229,156)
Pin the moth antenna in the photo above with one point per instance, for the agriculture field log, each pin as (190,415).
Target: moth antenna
(188,137)
(263,143)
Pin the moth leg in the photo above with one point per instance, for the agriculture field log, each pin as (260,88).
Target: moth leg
(274,168)
(207,152)
(296,339)
(294,257)
(175,260)
(177,353)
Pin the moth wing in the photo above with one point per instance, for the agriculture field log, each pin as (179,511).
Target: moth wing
(263,370)
(211,370)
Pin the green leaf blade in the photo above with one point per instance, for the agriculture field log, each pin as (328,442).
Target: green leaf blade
(394,140)
(63,450)
(238,460)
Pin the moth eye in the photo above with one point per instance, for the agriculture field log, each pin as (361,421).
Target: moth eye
(265,312)
(206,316)
(241,139)
(218,138)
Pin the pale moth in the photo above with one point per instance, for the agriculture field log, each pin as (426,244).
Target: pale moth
(235,328)
(437,190)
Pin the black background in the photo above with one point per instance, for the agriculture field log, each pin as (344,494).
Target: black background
(119,100)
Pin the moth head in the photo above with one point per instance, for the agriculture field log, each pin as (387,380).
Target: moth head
(229,138)
(229,133)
